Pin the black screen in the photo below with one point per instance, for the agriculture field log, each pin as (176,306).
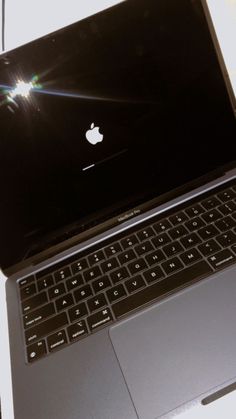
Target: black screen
(106,113)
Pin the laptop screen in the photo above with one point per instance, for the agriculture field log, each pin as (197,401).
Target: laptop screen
(105,114)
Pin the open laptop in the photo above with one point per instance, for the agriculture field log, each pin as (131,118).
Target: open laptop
(118,215)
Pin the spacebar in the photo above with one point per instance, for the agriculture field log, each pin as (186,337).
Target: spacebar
(159,289)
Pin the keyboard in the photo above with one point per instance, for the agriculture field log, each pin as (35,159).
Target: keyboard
(93,289)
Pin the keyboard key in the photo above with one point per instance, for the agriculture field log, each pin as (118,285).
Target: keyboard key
(34,302)
(36,351)
(226,239)
(161,240)
(26,281)
(62,274)
(45,282)
(155,257)
(109,265)
(160,289)
(195,224)
(190,241)
(96,257)
(119,275)
(45,328)
(57,340)
(172,249)
(137,266)
(39,315)
(222,259)
(161,226)
(97,302)
(126,256)
(99,319)
(228,208)
(101,284)
(82,293)
(226,195)
(78,311)
(172,265)
(113,250)
(145,233)
(211,216)
(92,273)
(191,256)
(79,266)
(210,203)
(63,302)
(129,241)
(143,248)
(208,232)
(74,282)
(134,284)
(225,223)
(234,248)
(45,272)
(178,218)
(28,291)
(116,292)
(56,291)
(153,274)
(194,211)
(209,247)
(178,232)
(77,330)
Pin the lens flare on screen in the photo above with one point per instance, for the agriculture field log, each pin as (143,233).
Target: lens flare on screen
(21,89)
(27,91)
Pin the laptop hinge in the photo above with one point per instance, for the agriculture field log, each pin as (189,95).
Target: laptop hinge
(51,251)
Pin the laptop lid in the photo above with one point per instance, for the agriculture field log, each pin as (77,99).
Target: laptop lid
(106,114)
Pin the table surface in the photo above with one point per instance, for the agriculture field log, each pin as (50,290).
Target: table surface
(24,22)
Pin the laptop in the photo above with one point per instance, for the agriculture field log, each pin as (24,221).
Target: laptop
(118,215)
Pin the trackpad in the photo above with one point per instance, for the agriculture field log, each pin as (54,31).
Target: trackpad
(180,349)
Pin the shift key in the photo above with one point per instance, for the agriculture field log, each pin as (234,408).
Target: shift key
(45,328)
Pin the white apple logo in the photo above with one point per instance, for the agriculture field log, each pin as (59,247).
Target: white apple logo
(93,135)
